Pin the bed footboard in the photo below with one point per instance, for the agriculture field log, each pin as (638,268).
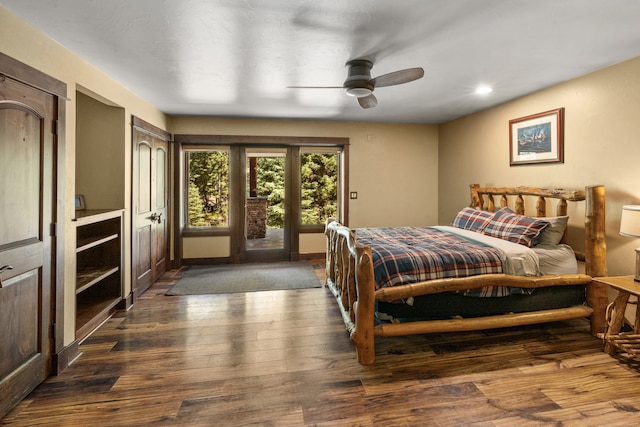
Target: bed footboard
(350,278)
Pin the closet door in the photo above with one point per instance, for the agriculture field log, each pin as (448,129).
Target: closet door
(27,251)
(150,195)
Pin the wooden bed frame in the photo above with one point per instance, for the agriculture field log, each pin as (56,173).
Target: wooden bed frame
(350,274)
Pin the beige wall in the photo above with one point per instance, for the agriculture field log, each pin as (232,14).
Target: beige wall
(100,153)
(24,43)
(393,167)
(602,110)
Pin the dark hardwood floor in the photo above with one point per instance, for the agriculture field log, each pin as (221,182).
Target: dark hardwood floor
(283,358)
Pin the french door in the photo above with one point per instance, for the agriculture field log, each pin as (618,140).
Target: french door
(260,192)
(265,214)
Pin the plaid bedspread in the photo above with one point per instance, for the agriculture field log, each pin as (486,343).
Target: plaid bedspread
(403,255)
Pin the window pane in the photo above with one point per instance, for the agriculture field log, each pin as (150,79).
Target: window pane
(319,176)
(208,192)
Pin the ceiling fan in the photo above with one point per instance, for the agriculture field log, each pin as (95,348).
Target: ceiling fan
(360,84)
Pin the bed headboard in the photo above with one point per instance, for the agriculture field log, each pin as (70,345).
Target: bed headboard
(484,198)
(595,246)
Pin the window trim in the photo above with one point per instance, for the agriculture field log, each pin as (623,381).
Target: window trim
(182,141)
(339,151)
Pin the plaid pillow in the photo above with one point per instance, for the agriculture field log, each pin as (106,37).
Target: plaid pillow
(508,225)
(472,219)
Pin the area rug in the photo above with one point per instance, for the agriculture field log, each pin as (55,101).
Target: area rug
(218,279)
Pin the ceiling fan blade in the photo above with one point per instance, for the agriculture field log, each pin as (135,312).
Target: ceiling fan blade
(314,87)
(368,101)
(398,77)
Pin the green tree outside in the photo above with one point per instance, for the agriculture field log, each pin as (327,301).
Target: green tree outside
(209,179)
(209,188)
(319,175)
(270,184)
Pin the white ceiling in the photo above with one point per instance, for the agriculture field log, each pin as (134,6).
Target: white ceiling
(236,57)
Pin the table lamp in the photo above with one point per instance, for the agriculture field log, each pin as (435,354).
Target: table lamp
(630,227)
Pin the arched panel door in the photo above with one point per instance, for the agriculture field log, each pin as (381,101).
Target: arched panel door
(27,255)
(150,200)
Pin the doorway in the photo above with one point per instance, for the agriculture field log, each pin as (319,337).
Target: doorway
(150,205)
(222,179)
(31,230)
(266,214)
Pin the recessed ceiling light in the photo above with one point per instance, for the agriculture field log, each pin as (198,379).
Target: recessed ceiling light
(481,90)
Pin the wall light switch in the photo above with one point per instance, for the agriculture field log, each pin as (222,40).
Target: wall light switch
(353,195)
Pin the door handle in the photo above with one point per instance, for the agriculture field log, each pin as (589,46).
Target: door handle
(2,270)
(156,217)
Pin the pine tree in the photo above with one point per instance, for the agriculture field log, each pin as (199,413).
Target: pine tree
(270,177)
(209,173)
(319,187)
(196,207)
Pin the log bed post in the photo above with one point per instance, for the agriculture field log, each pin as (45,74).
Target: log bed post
(350,278)
(476,198)
(596,254)
(363,334)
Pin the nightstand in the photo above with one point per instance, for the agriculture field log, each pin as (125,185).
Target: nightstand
(613,338)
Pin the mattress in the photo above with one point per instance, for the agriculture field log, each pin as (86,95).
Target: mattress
(518,260)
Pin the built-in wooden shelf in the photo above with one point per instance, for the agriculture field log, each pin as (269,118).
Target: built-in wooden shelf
(99,260)
(88,243)
(89,277)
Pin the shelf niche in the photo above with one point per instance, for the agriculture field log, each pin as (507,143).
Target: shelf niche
(99,261)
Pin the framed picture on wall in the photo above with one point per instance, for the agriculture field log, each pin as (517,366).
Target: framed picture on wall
(537,138)
(79,202)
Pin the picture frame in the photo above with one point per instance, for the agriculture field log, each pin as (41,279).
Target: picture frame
(538,138)
(79,202)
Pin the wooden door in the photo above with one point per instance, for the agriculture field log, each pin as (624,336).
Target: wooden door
(27,250)
(150,222)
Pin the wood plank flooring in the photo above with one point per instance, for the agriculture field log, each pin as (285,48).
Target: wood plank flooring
(283,358)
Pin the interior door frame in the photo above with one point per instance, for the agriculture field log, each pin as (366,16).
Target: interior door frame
(19,71)
(140,126)
(16,70)
(290,250)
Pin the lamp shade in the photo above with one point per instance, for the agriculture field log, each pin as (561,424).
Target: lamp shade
(630,221)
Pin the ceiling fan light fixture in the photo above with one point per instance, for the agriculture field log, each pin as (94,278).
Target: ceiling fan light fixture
(358,92)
